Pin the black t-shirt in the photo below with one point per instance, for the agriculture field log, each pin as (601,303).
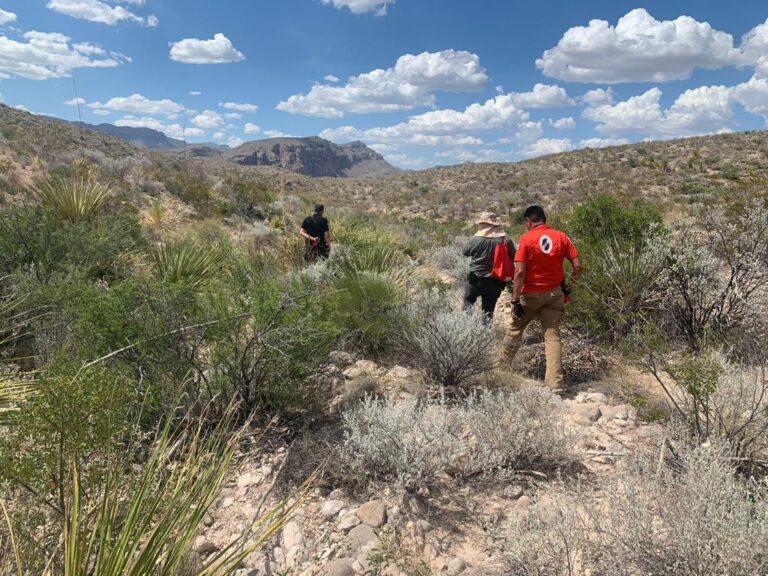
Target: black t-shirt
(316,226)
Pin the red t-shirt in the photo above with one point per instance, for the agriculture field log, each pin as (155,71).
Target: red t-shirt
(543,249)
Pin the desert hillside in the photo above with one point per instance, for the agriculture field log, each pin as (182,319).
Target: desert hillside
(174,372)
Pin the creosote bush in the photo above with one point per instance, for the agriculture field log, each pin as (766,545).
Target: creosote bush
(411,443)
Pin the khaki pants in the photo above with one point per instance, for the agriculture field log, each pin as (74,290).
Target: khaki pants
(548,307)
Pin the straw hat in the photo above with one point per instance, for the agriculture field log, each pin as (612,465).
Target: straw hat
(488,218)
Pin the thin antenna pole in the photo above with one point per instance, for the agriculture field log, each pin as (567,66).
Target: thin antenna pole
(80,126)
(282,201)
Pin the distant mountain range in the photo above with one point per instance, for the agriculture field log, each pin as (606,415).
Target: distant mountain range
(311,156)
(146,137)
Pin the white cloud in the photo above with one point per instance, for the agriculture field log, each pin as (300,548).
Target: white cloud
(98,11)
(378,7)
(755,47)
(218,50)
(233,115)
(250,128)
(239,106)
(219,136)
(133,122)
(179,132)
(75,102)
(234,141)
(332,78)
(153,21)
(598,97)
(563,123)
(208,119)
(411,82)
(6,17)
(702,110)
(542,96)
(546,146)
(139,104)
(48,55)
(102,112)
(753,95)
(444,127)
(195,93)
(276,134)
(602,142)
(638,49)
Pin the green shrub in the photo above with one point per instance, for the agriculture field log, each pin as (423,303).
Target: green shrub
(73,199)
(34,239)
(187,263)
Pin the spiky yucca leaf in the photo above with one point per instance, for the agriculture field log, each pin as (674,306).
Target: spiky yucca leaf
(383,259)
(13,393)
(148,526)
(74,199)
(186,263)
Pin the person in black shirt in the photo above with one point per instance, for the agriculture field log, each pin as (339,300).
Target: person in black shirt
(317,234)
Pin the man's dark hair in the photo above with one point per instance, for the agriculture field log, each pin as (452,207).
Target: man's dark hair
(535,214)
(319,208)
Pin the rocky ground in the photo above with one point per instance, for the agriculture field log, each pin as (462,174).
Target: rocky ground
(449,529)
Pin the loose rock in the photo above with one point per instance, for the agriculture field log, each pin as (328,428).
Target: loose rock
(331,508)
(373,513)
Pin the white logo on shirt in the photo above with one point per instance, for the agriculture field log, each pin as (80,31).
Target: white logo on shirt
(546,244)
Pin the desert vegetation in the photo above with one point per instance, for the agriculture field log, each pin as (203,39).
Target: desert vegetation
(161,334)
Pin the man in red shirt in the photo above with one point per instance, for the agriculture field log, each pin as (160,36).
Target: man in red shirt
(538,289)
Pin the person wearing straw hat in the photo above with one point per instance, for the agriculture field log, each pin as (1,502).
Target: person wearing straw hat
(480,249)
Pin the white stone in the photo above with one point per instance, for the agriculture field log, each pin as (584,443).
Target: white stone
(292,535)
(331,508)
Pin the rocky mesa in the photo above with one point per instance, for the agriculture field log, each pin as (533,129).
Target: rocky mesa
(314,156)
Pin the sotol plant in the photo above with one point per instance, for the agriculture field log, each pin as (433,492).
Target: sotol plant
(74,199)
(185,263)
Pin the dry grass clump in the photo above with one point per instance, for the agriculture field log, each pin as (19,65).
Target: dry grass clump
(582,360)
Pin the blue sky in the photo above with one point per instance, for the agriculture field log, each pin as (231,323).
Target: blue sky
(424,82)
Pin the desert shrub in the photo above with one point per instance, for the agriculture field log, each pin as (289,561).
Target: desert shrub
(515,430)
(410,443)
(721,401)
(34,239)
(377,258)
(700,520)
(453,347)
(709,281)
(694,518)
(450,259)
(407,444)
(73,199)
(604,217)
(368,307)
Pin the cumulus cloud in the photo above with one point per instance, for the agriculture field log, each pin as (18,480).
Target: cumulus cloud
(378,7)
(755,47)
(233,115)
(140,104)
(332,78)
(45,55)
(180,132)
(239,106)
(753,95)
(542,96)
(98,11)
(702,110)
(133,122)
(545,146)
(563,123)
(411,82)
(602,142)
(445,127)
(208,119)
(638,49)
(218,50)
(6,17)
(251,128)
(598,97)
(75,102)
(102,112)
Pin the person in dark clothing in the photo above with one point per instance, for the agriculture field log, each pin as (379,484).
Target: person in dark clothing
(317,233)
(480,249)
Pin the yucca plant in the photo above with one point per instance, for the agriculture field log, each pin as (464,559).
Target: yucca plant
(187,263)
(13,389)
(74,199)
(384,259)
(156,214)
(147,526)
